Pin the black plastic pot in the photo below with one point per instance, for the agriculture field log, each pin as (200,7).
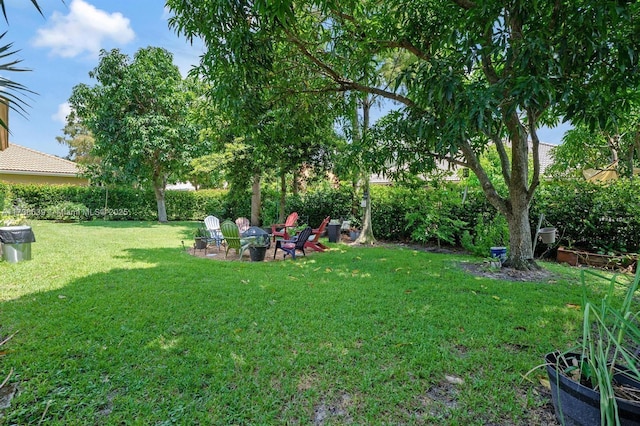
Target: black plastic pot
(201,243)
(576,404)
(257,254)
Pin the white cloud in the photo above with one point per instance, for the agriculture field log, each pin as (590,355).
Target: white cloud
(84,29)
(61,115)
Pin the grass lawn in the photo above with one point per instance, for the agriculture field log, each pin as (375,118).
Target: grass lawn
(116,324)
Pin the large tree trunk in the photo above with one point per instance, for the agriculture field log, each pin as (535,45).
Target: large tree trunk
(520,241)
(159,185)
(515,172)
(256,201)
(366,234)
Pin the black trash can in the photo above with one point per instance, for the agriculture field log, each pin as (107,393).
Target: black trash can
(333,229)
(16,243)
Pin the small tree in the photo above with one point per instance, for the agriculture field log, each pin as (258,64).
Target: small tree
(79,140)
(139,113)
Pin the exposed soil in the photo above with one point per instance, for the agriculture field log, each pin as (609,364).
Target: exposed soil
(507,274)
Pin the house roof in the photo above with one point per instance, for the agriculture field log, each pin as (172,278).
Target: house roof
(16,159)
(544,153)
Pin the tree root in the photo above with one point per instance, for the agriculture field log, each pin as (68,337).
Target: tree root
(522,264)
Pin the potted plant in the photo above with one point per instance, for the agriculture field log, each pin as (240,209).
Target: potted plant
(258,242)
(599,381)
(354,228)
(201,236)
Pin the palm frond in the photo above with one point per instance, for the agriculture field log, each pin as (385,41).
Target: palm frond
(35,4)
(12,93)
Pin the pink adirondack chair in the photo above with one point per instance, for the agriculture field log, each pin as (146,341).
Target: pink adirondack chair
(282,229)
(243,224)
(313,242)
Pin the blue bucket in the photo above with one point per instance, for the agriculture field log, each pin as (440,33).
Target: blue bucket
(500,253)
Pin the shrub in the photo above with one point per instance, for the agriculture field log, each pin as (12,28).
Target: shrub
(596,217)
(486,234)
(67,210)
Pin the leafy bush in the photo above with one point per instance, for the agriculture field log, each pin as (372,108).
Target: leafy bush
(603,218)
(67,210)
(4,195)
(596,217)
(434,226)
(486,234)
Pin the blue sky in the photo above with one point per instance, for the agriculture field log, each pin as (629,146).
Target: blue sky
(63,46)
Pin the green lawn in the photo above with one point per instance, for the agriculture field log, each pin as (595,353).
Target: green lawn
(118,325)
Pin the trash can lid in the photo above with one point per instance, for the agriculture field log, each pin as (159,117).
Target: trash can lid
(16,234)
(15,228)
(254,231)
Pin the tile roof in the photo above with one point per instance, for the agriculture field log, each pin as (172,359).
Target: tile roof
(544,153)
(18,159)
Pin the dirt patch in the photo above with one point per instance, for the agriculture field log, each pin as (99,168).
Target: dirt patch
(213,253)
(543,413)
(484,269)
(333,412)
(508,274)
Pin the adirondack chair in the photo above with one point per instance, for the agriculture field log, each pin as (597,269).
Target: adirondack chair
(243,224)
(294,244)
(313,242)
(212,224)
(282,229)
(231,235)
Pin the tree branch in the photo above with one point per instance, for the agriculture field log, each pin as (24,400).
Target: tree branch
(473,162)
(505,164)
(403,44)
(344,83)
(406,45)
(535,149)
(487,63)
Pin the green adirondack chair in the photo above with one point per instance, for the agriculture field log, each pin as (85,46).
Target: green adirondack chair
(231,235)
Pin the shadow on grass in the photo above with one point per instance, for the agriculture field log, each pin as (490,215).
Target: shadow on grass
(188,341)
(124,224)
(182,334)
(187,233)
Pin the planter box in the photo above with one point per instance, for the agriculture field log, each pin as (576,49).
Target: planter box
(577,257)
(567,256)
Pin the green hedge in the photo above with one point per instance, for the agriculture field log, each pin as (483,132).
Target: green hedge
(603,218)
(598,217)
(4,195)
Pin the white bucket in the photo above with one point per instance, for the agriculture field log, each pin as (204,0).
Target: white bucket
(548,235)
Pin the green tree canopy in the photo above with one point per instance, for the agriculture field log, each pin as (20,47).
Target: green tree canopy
(140,114)
(481,72)
(79,140)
